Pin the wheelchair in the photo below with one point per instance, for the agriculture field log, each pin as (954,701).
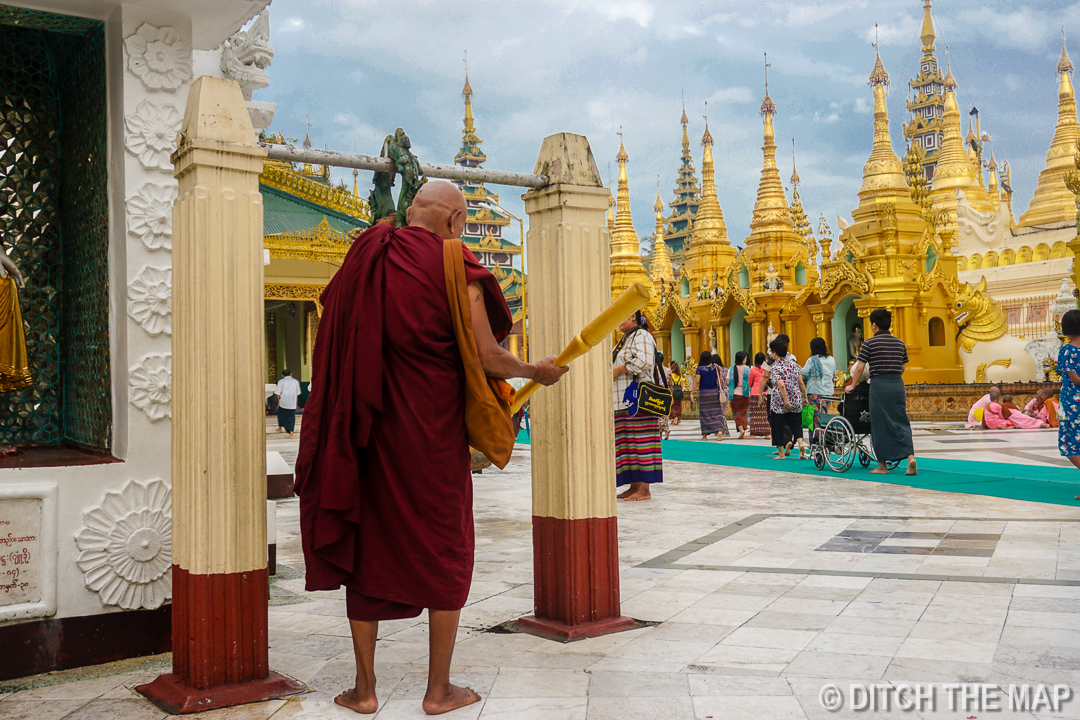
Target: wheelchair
(838,440)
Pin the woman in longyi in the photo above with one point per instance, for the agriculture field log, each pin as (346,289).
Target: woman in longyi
(14,363)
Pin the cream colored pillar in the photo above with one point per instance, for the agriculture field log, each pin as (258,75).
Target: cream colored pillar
(218,445)
(575,541)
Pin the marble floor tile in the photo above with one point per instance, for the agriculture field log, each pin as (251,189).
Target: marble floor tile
(882,627)
(854,644)
(961,614)
(640,708)
(831,665)
(532,708)
(77,690)
(887,611)
(1046,637)
(744,655)
(769,638)
(650,647)
(968,632)
(806,605)
(610,683)
(540,683)
(691,632)
(120,710)
(738,685)
(911,670)
(789,620)
(775,708)
(1028,618)
(14,709)
(954,650)
(250,711)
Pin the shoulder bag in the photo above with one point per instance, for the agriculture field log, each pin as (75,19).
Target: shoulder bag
(487,400)
(651,398)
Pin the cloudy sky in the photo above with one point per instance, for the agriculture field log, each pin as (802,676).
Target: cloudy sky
(358,69)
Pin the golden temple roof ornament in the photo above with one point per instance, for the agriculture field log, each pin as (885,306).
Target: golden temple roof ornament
(927,35)
(878,76)
(1064,65)
(626,265)
(950,81)
(706,139)
(768,107)
(661,270)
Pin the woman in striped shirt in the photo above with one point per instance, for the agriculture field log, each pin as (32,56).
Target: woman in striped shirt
(890,429)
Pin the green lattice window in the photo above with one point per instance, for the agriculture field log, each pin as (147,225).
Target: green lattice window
(54,218)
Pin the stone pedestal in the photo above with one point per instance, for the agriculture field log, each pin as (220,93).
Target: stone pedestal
(220,588)
(575,540)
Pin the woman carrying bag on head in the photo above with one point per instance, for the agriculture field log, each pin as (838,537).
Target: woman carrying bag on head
(638,462)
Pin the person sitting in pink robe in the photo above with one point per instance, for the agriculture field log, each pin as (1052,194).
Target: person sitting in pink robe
(997,415)
(980,404)
(1044,408)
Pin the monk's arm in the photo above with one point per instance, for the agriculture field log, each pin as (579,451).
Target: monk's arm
(496,360)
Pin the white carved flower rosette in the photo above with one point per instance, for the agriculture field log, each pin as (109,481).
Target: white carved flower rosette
(125,546)
(151,385)
(150,299)
(151,134)
(149,214)
(158,57)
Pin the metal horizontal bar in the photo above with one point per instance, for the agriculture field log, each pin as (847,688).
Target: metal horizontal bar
(315,156)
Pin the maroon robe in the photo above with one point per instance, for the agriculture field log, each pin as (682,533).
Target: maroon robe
(383,471)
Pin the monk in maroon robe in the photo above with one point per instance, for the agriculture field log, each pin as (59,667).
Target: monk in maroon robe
(383,472)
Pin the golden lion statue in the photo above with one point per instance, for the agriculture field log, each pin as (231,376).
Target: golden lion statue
(983,340)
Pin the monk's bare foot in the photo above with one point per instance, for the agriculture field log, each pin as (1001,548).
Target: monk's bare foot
(451,698)
(911,469)
(352,700)
(880,470)
(642,494)
(625,493)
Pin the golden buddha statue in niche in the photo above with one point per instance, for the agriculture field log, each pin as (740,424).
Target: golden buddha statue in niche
(14,363)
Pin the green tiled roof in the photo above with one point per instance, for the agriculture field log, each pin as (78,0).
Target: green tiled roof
(283,212)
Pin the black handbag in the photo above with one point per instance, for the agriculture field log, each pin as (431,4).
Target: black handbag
(654,398)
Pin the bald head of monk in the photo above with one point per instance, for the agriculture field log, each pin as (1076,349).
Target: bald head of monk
(439,207)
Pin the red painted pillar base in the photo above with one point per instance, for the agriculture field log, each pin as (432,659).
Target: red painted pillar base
(576,574)
(173,695)
(220,650)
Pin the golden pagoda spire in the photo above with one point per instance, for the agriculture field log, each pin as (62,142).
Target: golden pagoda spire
(623,219)
(955,170)
(799,221)
(950,81)
(626,265)
(1053,202)
(883,173)
(709,226)
(355,184)
(661,258)
(771,208)
(927,35)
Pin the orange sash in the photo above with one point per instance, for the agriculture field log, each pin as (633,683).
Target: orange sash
(487,400)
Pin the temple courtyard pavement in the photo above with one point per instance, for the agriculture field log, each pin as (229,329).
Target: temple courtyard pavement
(756,587)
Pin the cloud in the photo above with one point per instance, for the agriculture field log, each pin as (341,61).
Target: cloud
(731,95)
(898,32)
(291,25)
(1022,28)
(590,66)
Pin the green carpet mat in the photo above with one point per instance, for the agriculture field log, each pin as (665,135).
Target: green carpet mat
(1013,481)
